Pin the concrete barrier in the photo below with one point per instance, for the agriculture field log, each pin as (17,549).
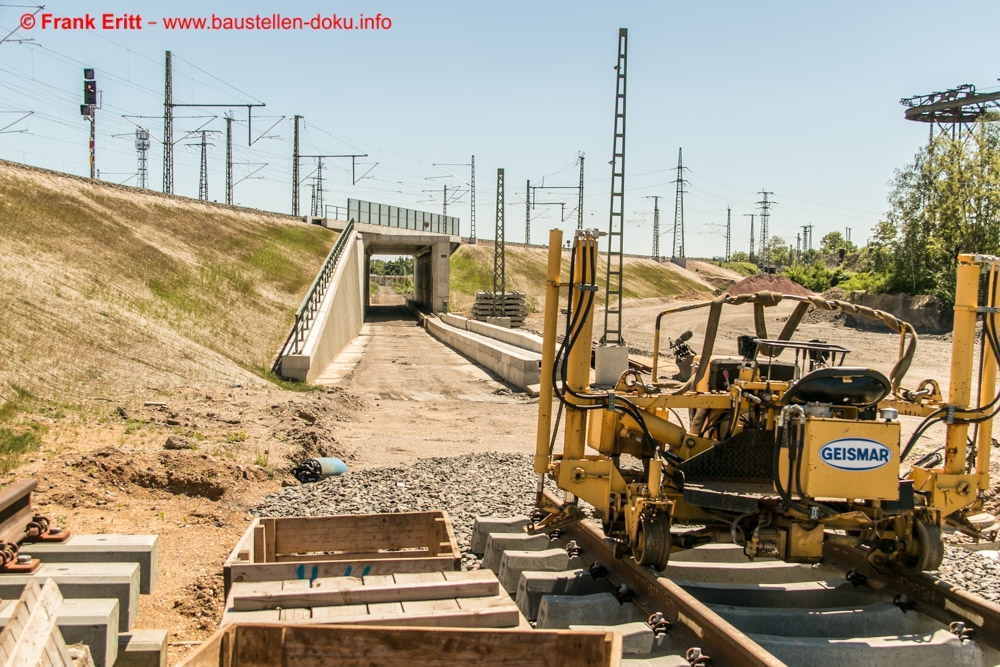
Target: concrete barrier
(339,319)
(522,339)
(513,365)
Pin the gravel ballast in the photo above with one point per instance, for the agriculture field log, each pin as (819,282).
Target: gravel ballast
(497,484)
(463,486)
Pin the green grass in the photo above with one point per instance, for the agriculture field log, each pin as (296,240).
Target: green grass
(133,425)
(23,401)
(16,441)
(470,273)
(290,385)
(742,268)
(404,287)
(14,445)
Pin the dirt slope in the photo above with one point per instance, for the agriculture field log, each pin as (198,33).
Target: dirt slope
(105,290)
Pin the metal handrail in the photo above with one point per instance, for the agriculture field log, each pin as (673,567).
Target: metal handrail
(306,313)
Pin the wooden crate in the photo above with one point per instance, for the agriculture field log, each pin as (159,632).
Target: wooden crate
(276,549)
(272,645)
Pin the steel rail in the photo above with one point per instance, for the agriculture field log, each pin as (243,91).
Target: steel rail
(933,596)
(692,622)
(15,510)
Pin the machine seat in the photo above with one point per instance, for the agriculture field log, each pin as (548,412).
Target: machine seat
(839,385)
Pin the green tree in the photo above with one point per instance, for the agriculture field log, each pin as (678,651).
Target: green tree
(739,256)
(778,252)
(833,242)
(947,201)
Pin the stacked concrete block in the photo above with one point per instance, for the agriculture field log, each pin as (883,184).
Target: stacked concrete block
(100,578)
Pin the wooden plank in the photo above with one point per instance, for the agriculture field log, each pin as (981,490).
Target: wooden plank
(231,617)
(355,555)
(362,532)
(243,546)
(211,652)
(385,609)
(294,614)
(241,553)
(259,554)
(379,580)
(394,615)
(353,646)
(242,572)
(350,612)
(447,536)
(472,574)
(412,577)
(308,646)
(430,606)
(345,590)
(262,646)
(39,634)
(269,540)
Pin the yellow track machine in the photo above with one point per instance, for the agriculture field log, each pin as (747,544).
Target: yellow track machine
(779,455)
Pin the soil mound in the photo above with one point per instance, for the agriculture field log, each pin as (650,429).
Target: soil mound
(768,282)
(182,472)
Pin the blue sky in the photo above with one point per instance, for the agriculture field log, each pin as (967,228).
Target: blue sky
(797,98)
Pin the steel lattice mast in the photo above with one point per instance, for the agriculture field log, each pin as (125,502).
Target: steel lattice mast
(499,287)
(613,290)
(677,252)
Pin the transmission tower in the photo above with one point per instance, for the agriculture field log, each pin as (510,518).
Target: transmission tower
(613,294)
(472,210)
(729,231)
(765,212)
(751,216)
(678,249)
(656,225)
(203,174)
(807,238)
(295,166)
(579,206)
(317,194)
(142,149)
(953,111)
(229,159)
(168,128)
(499,286)
(527,214)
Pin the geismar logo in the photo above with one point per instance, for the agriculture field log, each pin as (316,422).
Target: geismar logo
(856,454)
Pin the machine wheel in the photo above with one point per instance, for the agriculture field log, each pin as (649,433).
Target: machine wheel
(652,544)
(929,548)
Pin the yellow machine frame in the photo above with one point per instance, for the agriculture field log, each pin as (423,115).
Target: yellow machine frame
(824,486)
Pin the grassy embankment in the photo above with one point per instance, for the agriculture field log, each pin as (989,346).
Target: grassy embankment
(110,293)
(525,271)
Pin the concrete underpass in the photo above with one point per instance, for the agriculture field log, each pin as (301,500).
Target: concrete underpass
(349,328)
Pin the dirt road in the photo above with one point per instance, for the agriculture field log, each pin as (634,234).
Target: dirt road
(424,399)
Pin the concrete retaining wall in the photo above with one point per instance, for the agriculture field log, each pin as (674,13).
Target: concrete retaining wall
(522,339)
(339,319)
(520,369)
